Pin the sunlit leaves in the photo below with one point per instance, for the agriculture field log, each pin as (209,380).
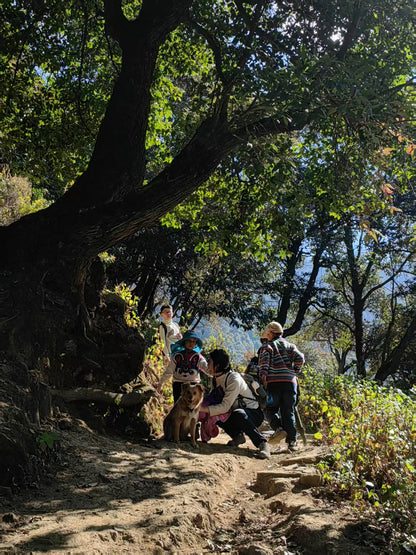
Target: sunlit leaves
(372,438)
(56,81)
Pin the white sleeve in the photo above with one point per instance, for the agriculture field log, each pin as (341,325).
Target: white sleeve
(168,373)
(232,391)
(203,365)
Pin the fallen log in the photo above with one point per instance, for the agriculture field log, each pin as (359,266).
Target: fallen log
(124,400)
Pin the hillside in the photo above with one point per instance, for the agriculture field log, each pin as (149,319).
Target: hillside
(236,340)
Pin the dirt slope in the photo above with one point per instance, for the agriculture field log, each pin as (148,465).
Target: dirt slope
(111,496)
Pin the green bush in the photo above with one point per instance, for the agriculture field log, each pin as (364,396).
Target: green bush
(372,434)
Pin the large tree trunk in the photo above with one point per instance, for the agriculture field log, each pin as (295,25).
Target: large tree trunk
(49,253)
(47,324)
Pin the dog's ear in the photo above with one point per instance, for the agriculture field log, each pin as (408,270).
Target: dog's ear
(201,387)
(184,386)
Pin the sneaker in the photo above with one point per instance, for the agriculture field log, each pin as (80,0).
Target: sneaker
(278,436)
(238,440)
(264,450)
(293,445)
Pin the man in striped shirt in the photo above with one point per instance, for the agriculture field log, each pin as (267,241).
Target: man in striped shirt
(279,363)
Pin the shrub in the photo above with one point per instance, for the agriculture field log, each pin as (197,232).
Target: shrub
(372,434)
(16,198)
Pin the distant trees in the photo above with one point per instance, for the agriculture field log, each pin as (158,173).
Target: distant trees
(367,311)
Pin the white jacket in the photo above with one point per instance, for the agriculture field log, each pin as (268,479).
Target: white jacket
(168,336)
(233,385)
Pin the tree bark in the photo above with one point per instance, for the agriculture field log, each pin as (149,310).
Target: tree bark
(308,291)
(289,280)
(357,287)
(392,362)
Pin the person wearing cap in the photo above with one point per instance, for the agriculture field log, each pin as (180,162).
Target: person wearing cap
(185,365)
(279,364)
(245,413)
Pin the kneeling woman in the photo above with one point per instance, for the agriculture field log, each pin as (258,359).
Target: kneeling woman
(246,414)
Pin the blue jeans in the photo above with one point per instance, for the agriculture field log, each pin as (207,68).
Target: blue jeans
(284,398)
(246,421)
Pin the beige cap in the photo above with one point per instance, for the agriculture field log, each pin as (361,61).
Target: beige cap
(273,327)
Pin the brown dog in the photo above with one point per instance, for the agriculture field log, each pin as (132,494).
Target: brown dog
(183,416)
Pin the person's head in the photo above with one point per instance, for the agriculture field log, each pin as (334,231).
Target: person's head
(271,332)
(166,312)
(219,362)
(191,341)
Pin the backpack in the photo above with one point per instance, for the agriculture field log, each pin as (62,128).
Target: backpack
(163,325)
(257,390)
(253,368)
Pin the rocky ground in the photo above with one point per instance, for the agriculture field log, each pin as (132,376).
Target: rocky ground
(112,496)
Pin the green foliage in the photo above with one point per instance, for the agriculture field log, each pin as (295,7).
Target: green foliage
(214,342)
(130,300)
(372,434)
(106,258)
(57,70)
(47,441)
(16,198)
(154,354)
(58,67)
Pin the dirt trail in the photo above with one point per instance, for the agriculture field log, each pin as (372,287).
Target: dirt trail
(111,496)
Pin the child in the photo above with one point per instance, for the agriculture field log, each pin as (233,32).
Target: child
(185,364)
(168,331)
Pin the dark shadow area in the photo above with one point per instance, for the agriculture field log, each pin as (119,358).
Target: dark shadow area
(46,542)
(102,474)
(321,532)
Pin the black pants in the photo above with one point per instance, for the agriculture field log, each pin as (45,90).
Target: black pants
(246,421)
(284,402)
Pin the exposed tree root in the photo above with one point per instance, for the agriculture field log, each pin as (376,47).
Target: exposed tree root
(123,400)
